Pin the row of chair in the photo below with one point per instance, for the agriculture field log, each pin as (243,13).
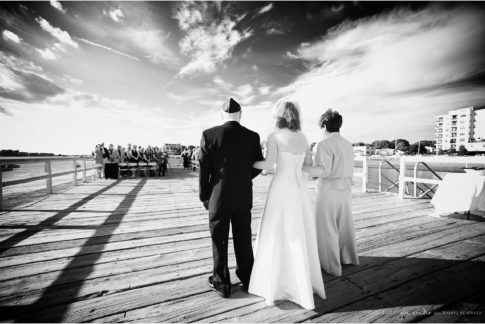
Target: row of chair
(136,169)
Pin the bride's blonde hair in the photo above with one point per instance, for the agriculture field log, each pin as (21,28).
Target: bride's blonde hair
(287,113)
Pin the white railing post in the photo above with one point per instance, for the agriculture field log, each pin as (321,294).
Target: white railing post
(415,174)
(48,181)
(380,175)
(74,175)
(84,170)
(402,174)
(364,174)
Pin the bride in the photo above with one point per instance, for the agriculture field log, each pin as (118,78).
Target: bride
(286,264)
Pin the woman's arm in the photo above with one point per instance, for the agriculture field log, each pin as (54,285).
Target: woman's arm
(323,160)
(272,151)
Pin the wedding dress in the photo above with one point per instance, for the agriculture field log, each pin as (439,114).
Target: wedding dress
(286,265)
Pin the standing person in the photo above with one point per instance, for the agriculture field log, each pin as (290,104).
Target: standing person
(227,155)
(116,155)
(286,264)
(164,163)
(98,160)
(186,159)
(111,151)
(129,157)
(105,157)
(334,168)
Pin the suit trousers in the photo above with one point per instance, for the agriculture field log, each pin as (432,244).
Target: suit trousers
(242,239)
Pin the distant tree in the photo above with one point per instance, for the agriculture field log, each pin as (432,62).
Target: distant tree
(402,146)
(451,151)
(381,144)
(441,152)
(462,150)
(413,148)
(359,144)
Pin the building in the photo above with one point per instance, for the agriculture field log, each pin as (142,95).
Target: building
(364,150)
(465,126)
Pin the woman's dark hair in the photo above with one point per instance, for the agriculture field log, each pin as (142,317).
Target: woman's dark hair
(332,121)
(290,118)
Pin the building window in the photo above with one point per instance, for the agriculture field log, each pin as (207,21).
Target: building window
(453,140)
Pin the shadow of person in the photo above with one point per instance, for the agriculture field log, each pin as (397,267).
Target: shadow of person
(57,297)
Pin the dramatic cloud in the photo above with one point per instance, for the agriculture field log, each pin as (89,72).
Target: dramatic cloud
(115,14)
(389,69)
(56,32)
(8,35)
(208,42)
(108,49)
(265,9)
(56,4)
(25,86)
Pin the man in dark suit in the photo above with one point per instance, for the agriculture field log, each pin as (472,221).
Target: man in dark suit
(227,154)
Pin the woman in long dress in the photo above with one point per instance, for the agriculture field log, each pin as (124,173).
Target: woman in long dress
(334,168)
(286,265)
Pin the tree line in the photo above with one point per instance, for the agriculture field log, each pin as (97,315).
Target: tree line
(403,145)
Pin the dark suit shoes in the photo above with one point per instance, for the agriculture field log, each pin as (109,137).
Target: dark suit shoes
(245,287)
(223,289)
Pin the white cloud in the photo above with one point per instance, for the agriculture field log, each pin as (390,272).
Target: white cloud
(264,90)
(153,42)
(8,35)
(265,9)
(108,49)
(5,111)
(73,80)
(254,67)
(207,43)
(56,4)
(175,97)
(47,54)
(394,71)
(223,84)
(244,90)
(58,33)
(78,99)
(116,14)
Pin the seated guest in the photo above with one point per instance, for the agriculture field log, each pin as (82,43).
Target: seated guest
(141,154)
(134,154)
(148,154)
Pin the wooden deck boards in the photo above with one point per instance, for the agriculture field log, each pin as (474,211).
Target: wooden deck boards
(139,250)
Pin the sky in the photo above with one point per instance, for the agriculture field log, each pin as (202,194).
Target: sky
(74,74)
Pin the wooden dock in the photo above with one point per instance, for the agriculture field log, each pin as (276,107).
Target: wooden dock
(138,250)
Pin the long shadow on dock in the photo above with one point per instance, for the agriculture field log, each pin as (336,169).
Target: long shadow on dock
(27,313)
(19,237)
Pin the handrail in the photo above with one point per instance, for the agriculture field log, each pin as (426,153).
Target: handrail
(365,172)
(48,170)
(425,160)
(394,184)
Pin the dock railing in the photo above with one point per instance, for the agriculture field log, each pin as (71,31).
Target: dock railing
(425,161)
(48,169)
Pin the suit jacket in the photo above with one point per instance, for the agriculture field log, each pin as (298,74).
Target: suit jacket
(226,158)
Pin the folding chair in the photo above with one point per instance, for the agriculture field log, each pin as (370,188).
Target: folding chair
(152,166)
(133,168)
(123,169)
(142,167)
